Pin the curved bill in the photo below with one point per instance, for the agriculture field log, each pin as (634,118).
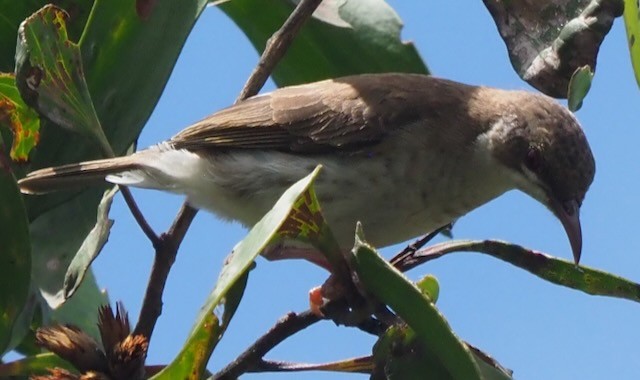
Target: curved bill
(569,215)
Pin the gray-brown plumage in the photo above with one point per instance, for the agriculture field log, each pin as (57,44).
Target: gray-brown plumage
(402,153)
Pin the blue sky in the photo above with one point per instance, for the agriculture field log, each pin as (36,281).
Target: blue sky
(539,330)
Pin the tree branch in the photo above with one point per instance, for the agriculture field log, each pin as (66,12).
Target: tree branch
(277,46)
(284,328)
(166,251)
(168,244)
(252,359)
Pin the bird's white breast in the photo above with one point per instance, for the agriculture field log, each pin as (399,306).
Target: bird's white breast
(400,189)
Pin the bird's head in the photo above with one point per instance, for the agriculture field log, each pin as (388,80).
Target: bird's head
(549,156)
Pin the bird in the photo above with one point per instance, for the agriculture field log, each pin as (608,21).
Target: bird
(401,153)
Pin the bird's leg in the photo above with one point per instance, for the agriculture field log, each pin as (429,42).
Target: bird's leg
(343,303)
(346,305)
(336,299)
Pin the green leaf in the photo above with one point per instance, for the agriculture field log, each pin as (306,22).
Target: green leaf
(33,365)
(307,224)
(50,76)
(123,89)
(124,92)
(632,25)
(91,247)
(19,118)
(579,86)
(192,359)
(328,11)
(389,286)
(325,50)
(429,286)
(52,254)
(14,12)
(28,346)
(150,35)
(81,309)
(489,368)
(552,269)
(491,373)
(23,339)
(399,354)
(15,257)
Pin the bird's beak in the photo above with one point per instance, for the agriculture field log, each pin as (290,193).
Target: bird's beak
(569,215)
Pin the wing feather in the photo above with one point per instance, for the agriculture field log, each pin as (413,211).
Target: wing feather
(334,114)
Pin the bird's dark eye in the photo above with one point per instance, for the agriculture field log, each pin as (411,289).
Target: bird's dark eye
(533,161)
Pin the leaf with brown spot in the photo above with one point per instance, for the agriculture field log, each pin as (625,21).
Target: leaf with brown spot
(549,268)
(548,40)
(144,8)
(22,120)
(305,221)
(124,92)
(307,224)
(50,76)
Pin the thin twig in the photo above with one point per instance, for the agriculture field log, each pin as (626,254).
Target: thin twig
(252,359)
(277,46)
(168,244)
(284,328)
(107,151)
(137,215)
(409,251)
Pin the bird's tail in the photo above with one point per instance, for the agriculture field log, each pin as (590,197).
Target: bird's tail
(75,175)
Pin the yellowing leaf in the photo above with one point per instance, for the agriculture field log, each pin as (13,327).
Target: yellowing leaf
(19,118)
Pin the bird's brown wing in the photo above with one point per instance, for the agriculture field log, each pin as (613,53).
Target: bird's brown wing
(334,114)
